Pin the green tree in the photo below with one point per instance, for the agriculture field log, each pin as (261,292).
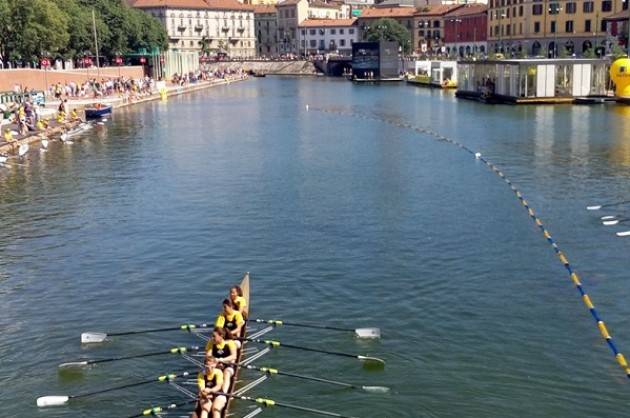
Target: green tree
(390,30)
(36,26)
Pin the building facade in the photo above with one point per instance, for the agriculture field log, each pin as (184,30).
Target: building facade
(429,28)
(266,24)
(292,12)
(326,36)
(465,30)
(401,14)
(551,28)
(205,26)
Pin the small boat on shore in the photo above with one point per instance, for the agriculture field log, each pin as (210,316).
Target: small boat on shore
(97,110)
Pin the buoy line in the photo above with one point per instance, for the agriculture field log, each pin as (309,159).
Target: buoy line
(575,278)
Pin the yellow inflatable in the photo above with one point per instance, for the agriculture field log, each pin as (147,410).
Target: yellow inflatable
(620,75)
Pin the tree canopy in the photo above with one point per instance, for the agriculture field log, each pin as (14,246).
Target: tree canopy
(30,29)
(389,30)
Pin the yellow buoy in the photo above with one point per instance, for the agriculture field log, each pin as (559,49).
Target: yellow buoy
(620,75)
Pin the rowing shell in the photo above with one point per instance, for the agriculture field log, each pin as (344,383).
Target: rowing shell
(245,288)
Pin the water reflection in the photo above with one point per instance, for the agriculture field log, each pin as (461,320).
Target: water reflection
(619,125)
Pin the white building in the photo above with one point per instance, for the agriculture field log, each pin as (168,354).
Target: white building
(291,13)
(217,26)
(328,36)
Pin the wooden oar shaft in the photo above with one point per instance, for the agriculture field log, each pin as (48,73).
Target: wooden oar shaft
(271,403)
(184,327)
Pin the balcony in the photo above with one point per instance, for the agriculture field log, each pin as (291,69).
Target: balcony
(240,29)
(225,28)
(181,28)
(198,28)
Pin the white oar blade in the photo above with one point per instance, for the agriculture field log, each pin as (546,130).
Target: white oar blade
(375,389)
(594,207)
(610,223)
(623,234)
(368,332)
(607,218)
(372,361)
(23,150)
(73,364)
(45,401)
(93,337)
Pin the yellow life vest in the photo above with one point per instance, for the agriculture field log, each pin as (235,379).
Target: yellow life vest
(209,380)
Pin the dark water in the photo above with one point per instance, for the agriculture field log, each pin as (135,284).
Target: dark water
(145,223)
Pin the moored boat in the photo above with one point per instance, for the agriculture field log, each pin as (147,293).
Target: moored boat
(97,110)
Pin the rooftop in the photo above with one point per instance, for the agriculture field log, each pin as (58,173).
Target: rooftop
(265,8)
(376,13)
(437,9)
(469,10)
(191,4)
(319,23)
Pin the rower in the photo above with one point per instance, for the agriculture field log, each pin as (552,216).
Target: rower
(230,319)
(224,351)
(210,383)
(237,299)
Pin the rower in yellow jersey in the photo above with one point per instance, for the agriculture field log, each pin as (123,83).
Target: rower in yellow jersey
(231,320)
(237,299)
(210,383)
(224,351)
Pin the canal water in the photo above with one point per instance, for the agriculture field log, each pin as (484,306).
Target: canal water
(342,214)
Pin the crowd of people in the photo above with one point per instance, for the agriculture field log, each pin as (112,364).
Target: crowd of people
(221,356)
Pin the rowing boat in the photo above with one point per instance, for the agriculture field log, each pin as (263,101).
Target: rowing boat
(245,288)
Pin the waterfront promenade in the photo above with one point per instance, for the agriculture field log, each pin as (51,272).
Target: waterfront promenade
(116,101)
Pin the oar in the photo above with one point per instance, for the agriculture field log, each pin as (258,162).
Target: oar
(360,332)
(615,221)
(99,337)
(271,371)
(606,205)
(623,233)
(82,363)
(275,344)
(157,410)
(271,403)
(45,401)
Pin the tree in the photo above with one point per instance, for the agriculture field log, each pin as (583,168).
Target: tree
(37,26)
(390,30)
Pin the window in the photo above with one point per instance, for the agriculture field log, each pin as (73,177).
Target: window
(491,4)
(421,33)
(333,31)
(351,31)
(588,7)
(587,26)
(496,30)
(520,28)
(313,43)
(553,27)
(537,9)
(507,13)
(568,26)
(625,5)
(508,30)
(606,5)
(303,42)
(436,23)
(436,34)
(342,42)
(321,44)
(340,31)
(554,8)
(312,31)
(602,26)
(520,10)
(570,8)
(303,32)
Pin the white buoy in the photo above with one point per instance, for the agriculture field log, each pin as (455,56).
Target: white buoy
(477,155)
(23,150)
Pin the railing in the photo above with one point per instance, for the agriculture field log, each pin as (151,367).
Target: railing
(36,97)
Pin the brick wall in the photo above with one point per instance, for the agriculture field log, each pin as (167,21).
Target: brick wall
(37,78)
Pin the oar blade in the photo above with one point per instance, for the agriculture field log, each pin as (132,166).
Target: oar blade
(623,234)
(368,332)
(372,362)
(73,364)
(375,389)
(610,223)
(594,207)
(93,337)
(44,401)
(608,217)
